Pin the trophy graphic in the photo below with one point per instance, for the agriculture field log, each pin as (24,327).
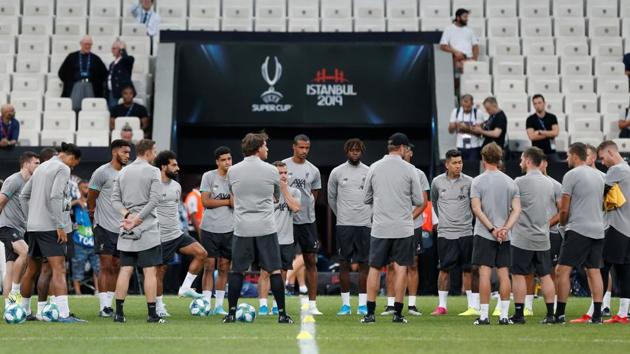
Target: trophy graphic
(271,95)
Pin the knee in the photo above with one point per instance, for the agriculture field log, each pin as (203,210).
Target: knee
(201,255)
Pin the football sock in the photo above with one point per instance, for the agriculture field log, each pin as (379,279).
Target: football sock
(442,295)
(518,309)
(219,295)
(398,306)
(151,308)
(188,281)
(119,307)
(371,306)
(277,288)
(345,299)
(234,291)
(362,299)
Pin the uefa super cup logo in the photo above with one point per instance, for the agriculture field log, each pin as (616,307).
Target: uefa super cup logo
(271,95)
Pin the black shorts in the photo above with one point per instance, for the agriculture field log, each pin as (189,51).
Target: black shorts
(144,259)
(105,242)
(556,244)
(353,243)
(262,250)
(384,251)
(43,244)
(305,235)
(287,254)
(616,247)
(526,262)
(169,248)
(581,251)
(490,253)
(452,253)
(9,235)
(218,245)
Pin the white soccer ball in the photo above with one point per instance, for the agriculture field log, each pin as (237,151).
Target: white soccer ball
(200,307)
(50,312)
(14,314)
(245,313)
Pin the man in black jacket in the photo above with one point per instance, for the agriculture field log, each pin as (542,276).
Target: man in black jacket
(119,72)
(83,74)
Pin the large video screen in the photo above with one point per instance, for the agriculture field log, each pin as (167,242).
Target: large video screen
(304,83)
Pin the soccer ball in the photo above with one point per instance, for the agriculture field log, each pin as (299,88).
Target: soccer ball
(200,307)
(50,312)
(245,313)
(14,314)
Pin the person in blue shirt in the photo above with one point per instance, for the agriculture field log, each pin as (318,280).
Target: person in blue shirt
(83,240)
(9,127)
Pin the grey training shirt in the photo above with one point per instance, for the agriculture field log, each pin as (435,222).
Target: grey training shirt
(496,190)
(392,187)
(137,188)
(305,177)
(254,184)
(217,220)
(619,218)
(586,188)
(46,193)
(345,195)
(284,217)
(12,215)
(424,184)
(553,209)
(168,211)
(451,203)
(105,215)
(531,231)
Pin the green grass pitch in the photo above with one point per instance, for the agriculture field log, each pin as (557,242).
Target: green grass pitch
(186,334)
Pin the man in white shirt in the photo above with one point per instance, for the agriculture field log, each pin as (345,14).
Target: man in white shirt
(144,14)
(460,40)
(463,119)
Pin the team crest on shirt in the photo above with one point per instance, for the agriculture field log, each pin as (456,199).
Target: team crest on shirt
(344,181)
(362,182)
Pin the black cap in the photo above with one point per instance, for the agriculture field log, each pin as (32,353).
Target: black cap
(398,139)
(412,146)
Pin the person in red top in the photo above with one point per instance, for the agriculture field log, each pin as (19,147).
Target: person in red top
(194,208)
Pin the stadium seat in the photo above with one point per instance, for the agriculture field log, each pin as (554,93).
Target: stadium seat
(534,8)
(612,103)
(508,65)
(543,83)
(270,9)
(133,29)
(504,47)
(93,138)
(476,67)
(340,9)
(518,141)
(536,27)
(304,9)
(105,8)
(578,84)
(39,45)
(6,63)
(303,24)
(571,46)
(136,135)
(476,83)
(238,9)
(399,9)
(587,137)
(623,144)
(29,120)
(133,122)
(372,9)
(94,120)
(478,25)
(403,24)
(607,67)
(434,24)
(601,8)
(510,85)
(71,9)
(568,8)
(612,84)
(39,8)
(140,45)
(7,44)
(570,27)
(624,8)
(70,27)
(270,24)
(500,8)
(37,26)
(576,65)
(512,102)
(5,83)
(56,137)
(174,24)
(62,45)
(208,9)
(369,25)
(109,28)
(435,9)
(28,82)
(582,103)
(26,101)
(516,123)
(10,8)
(58,104)
(237,24)
(94,104)
(28,138)
(337,25)
(538,46)
(474,6)
(502,27)
(55,63)
(54,86)
(604,27)
(172,9)
(611,125)
(607,47)
(31,64)
(584,123)
(562,142)
(203,24)
(9,26)
(60,121)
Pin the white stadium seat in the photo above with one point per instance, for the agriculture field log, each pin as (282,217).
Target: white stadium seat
(476,83)
(601,8)
(538,46)
(337,25)
(607,47)
(56,137)
(474,6)
(578,84)
(336,9)
(29,120)
(9,26)
(60,121)
(502,27)
(33,44)
(10,8)
(71,8)
(37,26)
(94,104)
(504,47)
(271,9)
(612,103)
(64,45)
(584,123)
(623,144)
(31,64)
(583,103)
(133,122)
(369,25)
(239,9)
(304,25)
(374,9)
(94,120)
(5,84)
(203,24)
(7,44)
(105,8)
(500,8)
(513,102)
(108,28)
(172,9)
(516,124)
(306,9)
(476,67)
(609,67)
(92,138)
(611,125)
(571,46)
(534,8)
(435,9)
(28,138)
(536,27)
(269,24)
(237,24)
(508,65)
(604,27)
(70,26)
(510,85)
(612,84)
(434,24)
(570,27)
(39,8)
(58,104)
(568,8)
(411,24)
(543,84)
(399,9)
(210,9)
(577,65)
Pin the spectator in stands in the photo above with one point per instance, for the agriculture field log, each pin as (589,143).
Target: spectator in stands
(542,128)
(83,74)
(143,13)
(624,121)
(83,240)
(119,72)
(495,127)
(463,120)
(460,40)
(9,127)
(126,133)
(129,108)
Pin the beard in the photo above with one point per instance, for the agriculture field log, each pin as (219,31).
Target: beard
(171,175)
(354,162)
